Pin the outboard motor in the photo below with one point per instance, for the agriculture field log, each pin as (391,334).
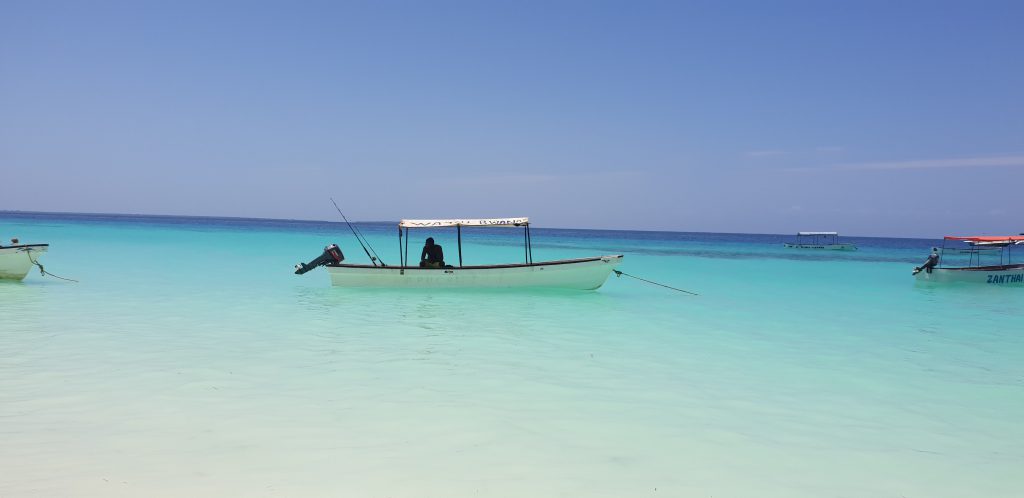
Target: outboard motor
(332,254)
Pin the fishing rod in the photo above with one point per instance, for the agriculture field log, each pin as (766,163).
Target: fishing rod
(620,273)
(373,259)
(360,238)
(372,250)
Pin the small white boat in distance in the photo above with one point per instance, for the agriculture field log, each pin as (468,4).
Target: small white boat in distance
(820,240)
(582,273)
(17,259)
(975,270)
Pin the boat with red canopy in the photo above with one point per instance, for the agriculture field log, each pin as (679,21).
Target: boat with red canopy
(989,260)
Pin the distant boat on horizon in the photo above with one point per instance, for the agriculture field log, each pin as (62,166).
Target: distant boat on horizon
(820,240)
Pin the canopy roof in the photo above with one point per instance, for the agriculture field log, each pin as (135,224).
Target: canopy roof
(817,233)
(483,222)
(999,239)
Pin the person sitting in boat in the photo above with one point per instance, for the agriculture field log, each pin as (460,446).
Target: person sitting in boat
(432,255)
(931,262)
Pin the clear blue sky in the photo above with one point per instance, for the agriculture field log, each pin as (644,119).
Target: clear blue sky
(872,118)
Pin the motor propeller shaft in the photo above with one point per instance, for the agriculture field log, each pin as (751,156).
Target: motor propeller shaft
(332,254)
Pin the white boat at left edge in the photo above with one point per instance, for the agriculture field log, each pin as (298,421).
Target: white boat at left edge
(16,260)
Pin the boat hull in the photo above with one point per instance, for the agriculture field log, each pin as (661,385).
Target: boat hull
(16,261)
(582,274)
(827,247)
(1012,275)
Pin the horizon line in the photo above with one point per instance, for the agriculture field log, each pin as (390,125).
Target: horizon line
(249,218)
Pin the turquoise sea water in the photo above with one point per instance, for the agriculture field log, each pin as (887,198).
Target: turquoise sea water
(190,361)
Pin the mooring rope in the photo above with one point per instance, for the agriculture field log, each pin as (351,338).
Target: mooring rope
(620,273)
(43,272)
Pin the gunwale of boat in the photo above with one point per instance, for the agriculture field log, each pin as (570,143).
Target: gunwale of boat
(1015,266)
(482,267)
(843,245)
(24,246)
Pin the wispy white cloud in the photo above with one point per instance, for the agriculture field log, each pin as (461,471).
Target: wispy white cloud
(536,179)
(765,153)
(964,162)
(513,179)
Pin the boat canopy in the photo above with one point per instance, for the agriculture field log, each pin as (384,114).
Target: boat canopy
(483,222)
(802,234)
(1005,239)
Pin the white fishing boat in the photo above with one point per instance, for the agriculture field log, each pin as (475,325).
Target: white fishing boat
(828,241)
(582,273)
(17,259)
(980,267)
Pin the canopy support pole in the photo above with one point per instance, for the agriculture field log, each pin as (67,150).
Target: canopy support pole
(407,247)
(458,228)
(529,244)
(402,260)
(526,245)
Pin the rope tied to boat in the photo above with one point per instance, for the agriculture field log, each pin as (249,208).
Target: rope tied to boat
(43,272)
(621,273)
